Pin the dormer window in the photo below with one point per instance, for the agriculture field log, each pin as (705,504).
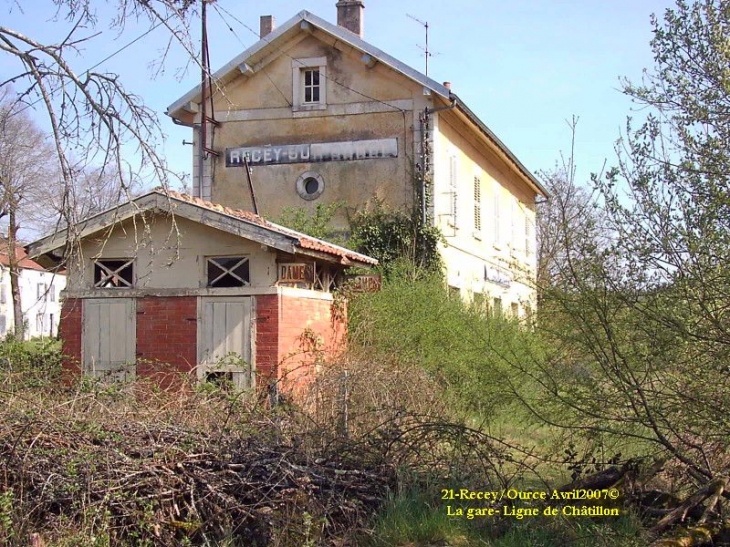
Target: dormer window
(309,83)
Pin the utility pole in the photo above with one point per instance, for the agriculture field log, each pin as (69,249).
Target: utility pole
(206,93)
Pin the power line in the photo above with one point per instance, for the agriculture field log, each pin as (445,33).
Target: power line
(215,7)
(104,60)
(365,95)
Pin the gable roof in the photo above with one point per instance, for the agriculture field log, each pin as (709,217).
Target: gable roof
(20,256)
(301,22)
(235,221)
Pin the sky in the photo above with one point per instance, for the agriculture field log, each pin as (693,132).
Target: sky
(525,67)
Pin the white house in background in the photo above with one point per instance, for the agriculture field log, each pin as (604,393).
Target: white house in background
(39,296)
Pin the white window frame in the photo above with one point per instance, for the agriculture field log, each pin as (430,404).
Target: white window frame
(299,68)
(453,191)
(496,216)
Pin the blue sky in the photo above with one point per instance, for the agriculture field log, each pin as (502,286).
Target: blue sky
(524,66)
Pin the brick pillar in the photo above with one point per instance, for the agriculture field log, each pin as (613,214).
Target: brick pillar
(69,331)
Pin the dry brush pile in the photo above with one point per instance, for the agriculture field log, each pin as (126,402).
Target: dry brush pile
(129,465)
(89,467)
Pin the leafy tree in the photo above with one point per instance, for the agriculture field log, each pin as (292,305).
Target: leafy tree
(640,346)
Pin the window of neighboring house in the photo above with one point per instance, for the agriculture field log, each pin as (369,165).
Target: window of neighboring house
(497,306)
(39,323)
(513,223)
(3,325)
(3,295)
(515,309)
(42,292)
(477,204)
(52,291)
(114,273)
(453,190)
(50,324)
(309,77)
(228,271)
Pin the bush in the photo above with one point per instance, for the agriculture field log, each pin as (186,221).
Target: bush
(465,350)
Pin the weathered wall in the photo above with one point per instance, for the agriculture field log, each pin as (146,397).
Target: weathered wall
(310,329)
(363,103)
(505,243)
(69,330)
(170,256)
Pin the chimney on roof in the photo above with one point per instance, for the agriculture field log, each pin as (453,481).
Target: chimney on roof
(350,15)
(268,23)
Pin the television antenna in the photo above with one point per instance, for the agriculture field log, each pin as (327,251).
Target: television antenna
(427,51)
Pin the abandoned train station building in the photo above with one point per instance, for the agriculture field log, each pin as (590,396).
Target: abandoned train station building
(313,114)
(169,285)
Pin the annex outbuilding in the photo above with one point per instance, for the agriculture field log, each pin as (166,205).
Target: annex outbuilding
(170,284)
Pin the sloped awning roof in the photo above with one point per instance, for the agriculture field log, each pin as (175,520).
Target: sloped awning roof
(257,55)
(235,221)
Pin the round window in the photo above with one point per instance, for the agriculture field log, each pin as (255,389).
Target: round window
(310,185)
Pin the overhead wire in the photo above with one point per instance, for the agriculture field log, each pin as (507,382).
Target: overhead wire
(286,99)
(344,86)
(98,64)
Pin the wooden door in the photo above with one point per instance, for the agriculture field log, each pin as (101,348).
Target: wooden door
(224,340)
(109,338)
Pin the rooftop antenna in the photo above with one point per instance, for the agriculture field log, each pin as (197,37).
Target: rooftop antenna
(428,53)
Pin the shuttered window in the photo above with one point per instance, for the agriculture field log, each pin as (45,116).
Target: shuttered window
(477,204)
(453,190)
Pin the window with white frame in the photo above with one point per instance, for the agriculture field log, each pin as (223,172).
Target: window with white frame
(309,83)
(453,191)
(42,292)
(228,271)
(114,273)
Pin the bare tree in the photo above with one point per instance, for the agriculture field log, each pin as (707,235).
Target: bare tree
(99,132)
(24,152)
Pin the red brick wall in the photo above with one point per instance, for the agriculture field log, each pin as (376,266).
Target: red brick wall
(267,332)
(308,332)
(166,337)
(69,330)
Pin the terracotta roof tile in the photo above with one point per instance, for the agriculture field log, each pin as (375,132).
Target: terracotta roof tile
(305,241)
(21,257)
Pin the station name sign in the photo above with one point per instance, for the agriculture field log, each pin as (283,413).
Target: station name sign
(312,152)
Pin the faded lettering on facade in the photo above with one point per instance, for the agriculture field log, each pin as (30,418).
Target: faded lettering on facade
(311,153)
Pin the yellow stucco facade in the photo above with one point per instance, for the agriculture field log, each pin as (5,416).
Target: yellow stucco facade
(324,117)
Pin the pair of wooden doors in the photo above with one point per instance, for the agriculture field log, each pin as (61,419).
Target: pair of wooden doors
(109,339)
